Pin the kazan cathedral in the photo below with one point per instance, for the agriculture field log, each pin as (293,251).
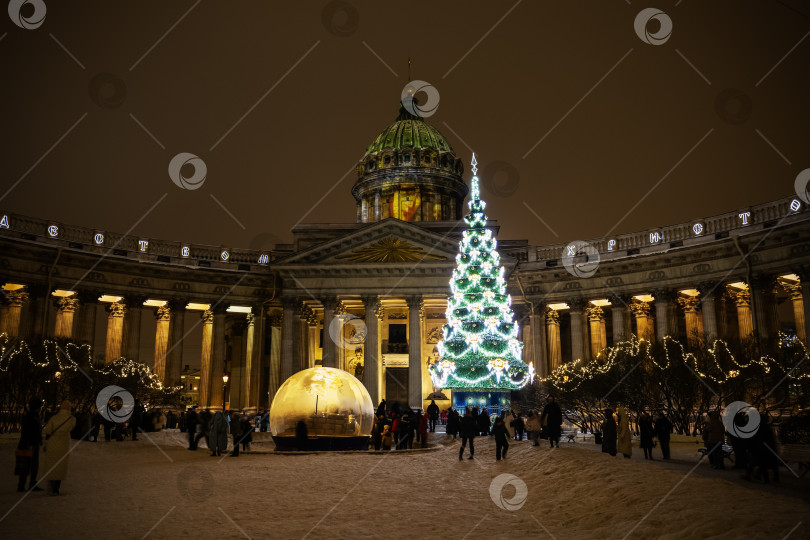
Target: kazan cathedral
(371,297)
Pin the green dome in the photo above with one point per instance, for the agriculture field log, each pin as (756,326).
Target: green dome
(409,131)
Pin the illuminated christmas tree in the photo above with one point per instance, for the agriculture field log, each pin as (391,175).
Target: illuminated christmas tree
(479,351)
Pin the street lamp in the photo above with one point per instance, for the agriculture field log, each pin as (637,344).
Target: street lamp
(224,386)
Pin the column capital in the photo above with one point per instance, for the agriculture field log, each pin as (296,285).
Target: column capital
(620,300)
(276,317)
(414,301)
(330,301)
(763,282)
(741,297)
(68,303)
(163,313)
(595,313)
(552,316)
(371,301)
(207,316)
(708,287)
(690,304)
(116,309)
(17,298)
(794,289)
(639,308)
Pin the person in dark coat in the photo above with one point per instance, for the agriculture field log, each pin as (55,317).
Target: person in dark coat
(218,434)
(645,427)
(433,414)
(453,422)
(247,433)
(191,421)
(30,439)
(377,430)
(715,435)
(501,435)
(406,429)
(468,428)
(663,429)
(265,420)
(136,419)
(205,425)
(236,433)
(483,422)
(381,408)
(301,436)
(551,420)
(609,433)
(519,425)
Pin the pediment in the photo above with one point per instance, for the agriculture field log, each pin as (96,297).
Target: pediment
(390,241)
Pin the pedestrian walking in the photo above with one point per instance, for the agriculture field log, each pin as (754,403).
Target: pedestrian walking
(468,428)
(423,430)
(433,414)
(609,433)
(520,426)
(501,435)
(247,433)
(645,427)
(236,433)
(218,434)
(624,443)
(191,423)
(509,421)
(551,421)
(453,423)
(56,449)
(27,453)
(204,429)
(136,419)
(533,427)
(387,438)
(663,429)
(714,436)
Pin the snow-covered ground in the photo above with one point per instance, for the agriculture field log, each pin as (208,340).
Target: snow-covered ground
(155,488)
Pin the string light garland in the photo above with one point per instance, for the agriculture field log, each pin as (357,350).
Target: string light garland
(479,349)
(571,375)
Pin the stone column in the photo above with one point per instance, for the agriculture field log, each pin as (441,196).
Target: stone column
(662,301)
(276,339)
(596,318)
(340,350)
(694,321)
(794,291)
(174,356)
(742,298)
(16,300)
(132,323)
(288,349)
(371,348)
(65,315)
(709,312)
(330,353)
(88,306)
(618,312)
(377,205)
(249,398)
(163,317)
(537,320)
(414,351)
(115,330)
(804,276)
(37,308)
(764,287)
(235,331)
(576,309)
(205,359)
(553,331)
(218,354)
(3,311)
(644,327)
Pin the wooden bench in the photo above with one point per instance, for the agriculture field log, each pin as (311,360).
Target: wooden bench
(728,452)
(796,453)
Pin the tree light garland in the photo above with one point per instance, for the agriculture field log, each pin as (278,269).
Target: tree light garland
(479,349)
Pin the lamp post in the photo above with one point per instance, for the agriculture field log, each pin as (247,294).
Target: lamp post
(224,387)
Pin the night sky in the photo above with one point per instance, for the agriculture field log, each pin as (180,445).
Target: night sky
(280,100)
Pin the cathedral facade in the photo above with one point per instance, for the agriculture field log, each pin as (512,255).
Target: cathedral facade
(370,297)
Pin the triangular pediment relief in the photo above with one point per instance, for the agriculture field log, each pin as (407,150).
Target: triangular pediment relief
(388,241)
